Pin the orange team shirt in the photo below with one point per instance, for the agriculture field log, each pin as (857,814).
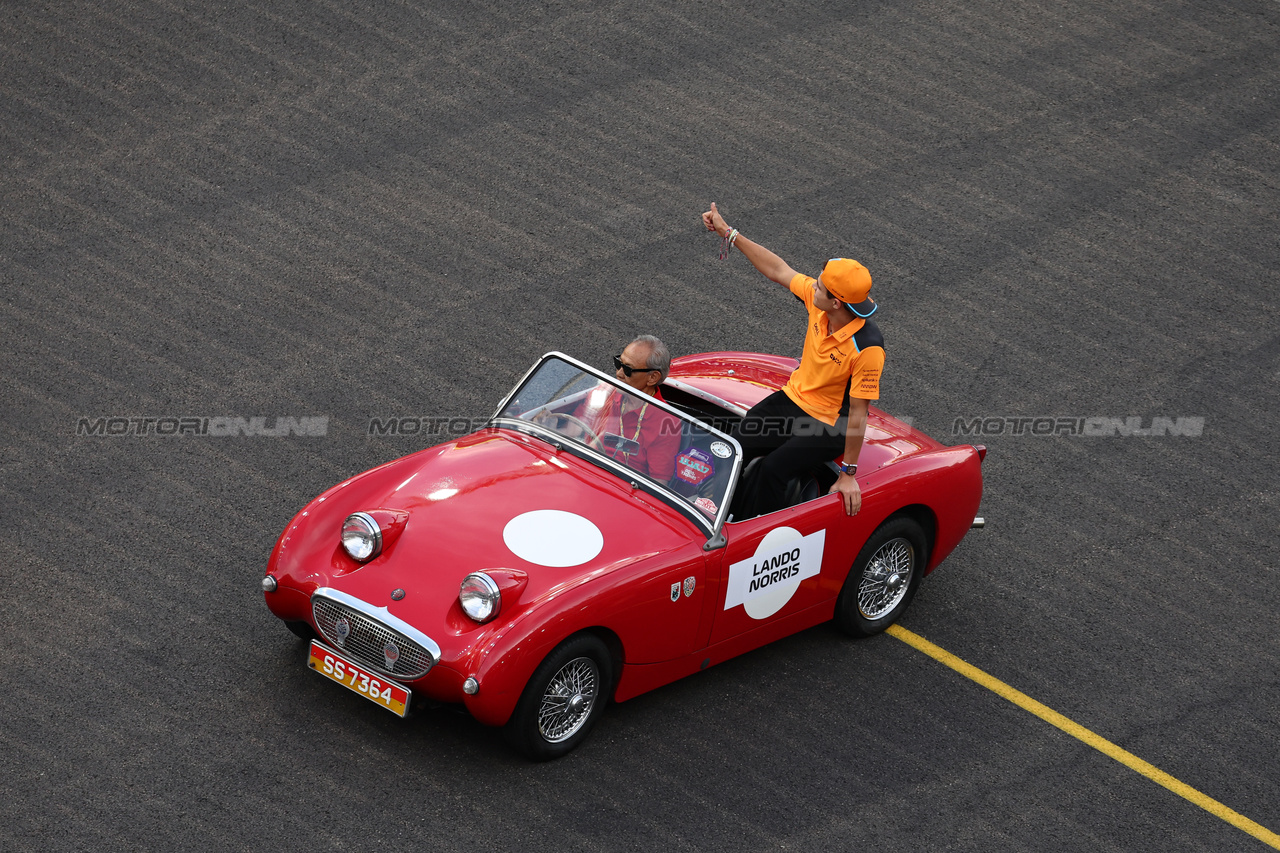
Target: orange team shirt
(830,361)
(656,431)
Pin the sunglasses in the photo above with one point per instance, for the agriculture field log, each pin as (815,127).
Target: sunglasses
(627,369)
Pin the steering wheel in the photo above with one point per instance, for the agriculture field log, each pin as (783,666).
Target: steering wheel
(587,432)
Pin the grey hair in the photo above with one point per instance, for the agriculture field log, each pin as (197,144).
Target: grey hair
(659,357)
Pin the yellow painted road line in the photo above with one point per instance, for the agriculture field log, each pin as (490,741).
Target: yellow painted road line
(1076,730)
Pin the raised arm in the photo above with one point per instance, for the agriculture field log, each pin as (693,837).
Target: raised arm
(773,267)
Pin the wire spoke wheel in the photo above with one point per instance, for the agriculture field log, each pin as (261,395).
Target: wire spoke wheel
(563,698)
(568,700)
(884,577)
(885,580)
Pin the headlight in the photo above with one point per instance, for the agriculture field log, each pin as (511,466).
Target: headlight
(479,597)
(361,537)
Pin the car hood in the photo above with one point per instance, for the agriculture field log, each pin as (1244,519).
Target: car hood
(496,499)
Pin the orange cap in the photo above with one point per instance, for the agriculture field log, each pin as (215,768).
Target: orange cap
(850,282)
(846,280)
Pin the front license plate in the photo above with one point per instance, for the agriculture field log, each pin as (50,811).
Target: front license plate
(390,695)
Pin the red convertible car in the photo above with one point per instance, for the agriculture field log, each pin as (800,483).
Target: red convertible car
(530,573)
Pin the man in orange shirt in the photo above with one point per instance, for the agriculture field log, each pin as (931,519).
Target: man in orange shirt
(822,410)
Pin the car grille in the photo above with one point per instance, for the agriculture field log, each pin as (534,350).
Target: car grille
(369,642)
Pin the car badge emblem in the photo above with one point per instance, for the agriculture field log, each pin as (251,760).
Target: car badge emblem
(675,591)
(397,594)
(343,629)
(391,654)
(689,584)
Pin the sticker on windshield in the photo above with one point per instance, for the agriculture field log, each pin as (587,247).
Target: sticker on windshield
(764,582)
(719,448)
(693,466)
(706,505)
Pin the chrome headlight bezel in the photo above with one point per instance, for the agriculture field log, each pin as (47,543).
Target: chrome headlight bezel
(479,597)
(361,537)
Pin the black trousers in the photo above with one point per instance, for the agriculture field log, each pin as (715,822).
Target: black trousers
(791,441)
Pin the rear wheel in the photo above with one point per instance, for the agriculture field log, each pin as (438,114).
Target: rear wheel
(563,699)
(884,578)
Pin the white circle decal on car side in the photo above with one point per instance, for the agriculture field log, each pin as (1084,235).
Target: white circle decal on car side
(765,582)
(553,537)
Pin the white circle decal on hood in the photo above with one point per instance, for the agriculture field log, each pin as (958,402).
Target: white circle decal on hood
(552,537)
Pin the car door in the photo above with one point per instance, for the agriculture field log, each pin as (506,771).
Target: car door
(784,567)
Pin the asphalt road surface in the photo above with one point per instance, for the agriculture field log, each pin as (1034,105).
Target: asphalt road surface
(359,210)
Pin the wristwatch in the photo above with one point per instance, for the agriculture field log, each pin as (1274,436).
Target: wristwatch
(847,469)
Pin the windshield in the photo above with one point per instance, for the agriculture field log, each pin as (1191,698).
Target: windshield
(630,433)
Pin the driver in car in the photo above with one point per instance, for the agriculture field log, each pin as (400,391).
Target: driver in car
(640,436)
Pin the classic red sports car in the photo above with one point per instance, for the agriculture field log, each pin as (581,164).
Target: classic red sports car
(531,572)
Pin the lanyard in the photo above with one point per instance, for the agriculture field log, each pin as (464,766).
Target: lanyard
(644,410)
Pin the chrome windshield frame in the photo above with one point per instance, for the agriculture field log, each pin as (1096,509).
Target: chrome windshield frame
(628,475)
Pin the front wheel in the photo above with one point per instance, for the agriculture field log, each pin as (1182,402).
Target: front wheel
(563,699)
(884,578)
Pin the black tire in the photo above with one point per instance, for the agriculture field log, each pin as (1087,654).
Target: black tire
(302,630)
(562,700)
(884,578)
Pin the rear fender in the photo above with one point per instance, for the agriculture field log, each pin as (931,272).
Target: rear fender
(942,490)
